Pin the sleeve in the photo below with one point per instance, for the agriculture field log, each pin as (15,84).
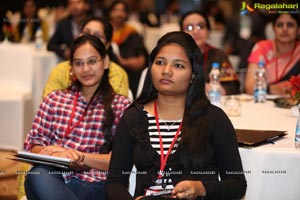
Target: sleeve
(233,183)
(120,105)
(58,79)
(118,79)
(121,161)
(40,133)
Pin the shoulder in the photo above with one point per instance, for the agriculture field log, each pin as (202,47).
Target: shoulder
(263,44)
(121,101)
(135,113)
(62,67)
(116,69)
(216,114)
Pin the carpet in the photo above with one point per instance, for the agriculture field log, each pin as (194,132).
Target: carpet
(8,176)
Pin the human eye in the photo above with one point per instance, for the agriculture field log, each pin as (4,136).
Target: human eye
(290,24)
(279,24)
(178,65)
(92,61)
(78,63)
(159,62)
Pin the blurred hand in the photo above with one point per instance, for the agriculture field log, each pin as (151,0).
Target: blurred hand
(188,190)
(75,156)
(50,150)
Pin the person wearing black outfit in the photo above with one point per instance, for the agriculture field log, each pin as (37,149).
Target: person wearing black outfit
(68,28)
(182,146)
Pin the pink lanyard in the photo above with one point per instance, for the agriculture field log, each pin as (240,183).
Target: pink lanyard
(163,159)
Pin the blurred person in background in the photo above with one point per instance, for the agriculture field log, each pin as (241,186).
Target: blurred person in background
(242,32)
(280,55)
(130,49)
(67,29)
(29,23)
(197,25)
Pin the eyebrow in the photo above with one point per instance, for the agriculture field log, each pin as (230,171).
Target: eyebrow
(177,60)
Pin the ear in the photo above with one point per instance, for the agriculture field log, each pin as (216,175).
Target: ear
(106,62)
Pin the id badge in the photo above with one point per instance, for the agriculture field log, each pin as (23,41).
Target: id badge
(165,193)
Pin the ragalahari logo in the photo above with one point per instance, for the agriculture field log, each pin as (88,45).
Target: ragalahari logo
(246,8)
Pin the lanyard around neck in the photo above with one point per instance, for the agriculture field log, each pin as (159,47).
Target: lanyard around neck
(163,159)
(70,128)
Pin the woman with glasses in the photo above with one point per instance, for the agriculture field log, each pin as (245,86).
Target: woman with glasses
(281,55)
(183,147)
(61,76)
(197,25)
(77,123)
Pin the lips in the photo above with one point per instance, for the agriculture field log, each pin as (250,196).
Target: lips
(87,77)
(165,81)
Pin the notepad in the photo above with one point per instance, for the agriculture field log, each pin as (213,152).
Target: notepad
(34,158)
(254,138)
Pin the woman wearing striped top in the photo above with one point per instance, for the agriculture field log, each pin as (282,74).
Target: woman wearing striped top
(182,146)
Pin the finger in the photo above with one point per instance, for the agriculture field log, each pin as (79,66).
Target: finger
(182,195)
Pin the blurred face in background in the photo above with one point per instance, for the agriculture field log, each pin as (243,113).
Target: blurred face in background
(118,14)
(196,26)
(286,29)
(96,29)
(29,9)
(77,7)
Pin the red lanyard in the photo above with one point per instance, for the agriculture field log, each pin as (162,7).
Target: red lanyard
(70,128)
(163,159)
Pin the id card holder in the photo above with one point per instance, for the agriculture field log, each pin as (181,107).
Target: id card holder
(150,192)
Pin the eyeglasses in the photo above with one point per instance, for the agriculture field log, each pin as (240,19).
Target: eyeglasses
(90,62)
(191,27)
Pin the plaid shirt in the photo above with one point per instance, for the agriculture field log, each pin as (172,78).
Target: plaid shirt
(51,122)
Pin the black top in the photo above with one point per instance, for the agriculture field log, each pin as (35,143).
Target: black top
(62,38)
(132,146)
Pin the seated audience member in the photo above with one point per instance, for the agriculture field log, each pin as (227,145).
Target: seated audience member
(77,123)
(67,29)
(29,24)
(281,55)
(60,76)
(132,53)
(181,145)
(197,25)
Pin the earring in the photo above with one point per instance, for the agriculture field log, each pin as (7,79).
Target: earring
(72,77)
(193,78)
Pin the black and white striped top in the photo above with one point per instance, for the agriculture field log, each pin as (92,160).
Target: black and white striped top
(168,129)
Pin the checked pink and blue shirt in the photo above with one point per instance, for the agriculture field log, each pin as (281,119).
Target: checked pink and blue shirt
(51,122)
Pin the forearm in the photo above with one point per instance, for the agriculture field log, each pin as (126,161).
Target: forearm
(97,161)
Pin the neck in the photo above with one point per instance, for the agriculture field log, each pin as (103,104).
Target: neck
(87,92)
(283,48)
(170,108)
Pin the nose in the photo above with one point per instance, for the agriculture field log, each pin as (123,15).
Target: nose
(86,67)
(167,70)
